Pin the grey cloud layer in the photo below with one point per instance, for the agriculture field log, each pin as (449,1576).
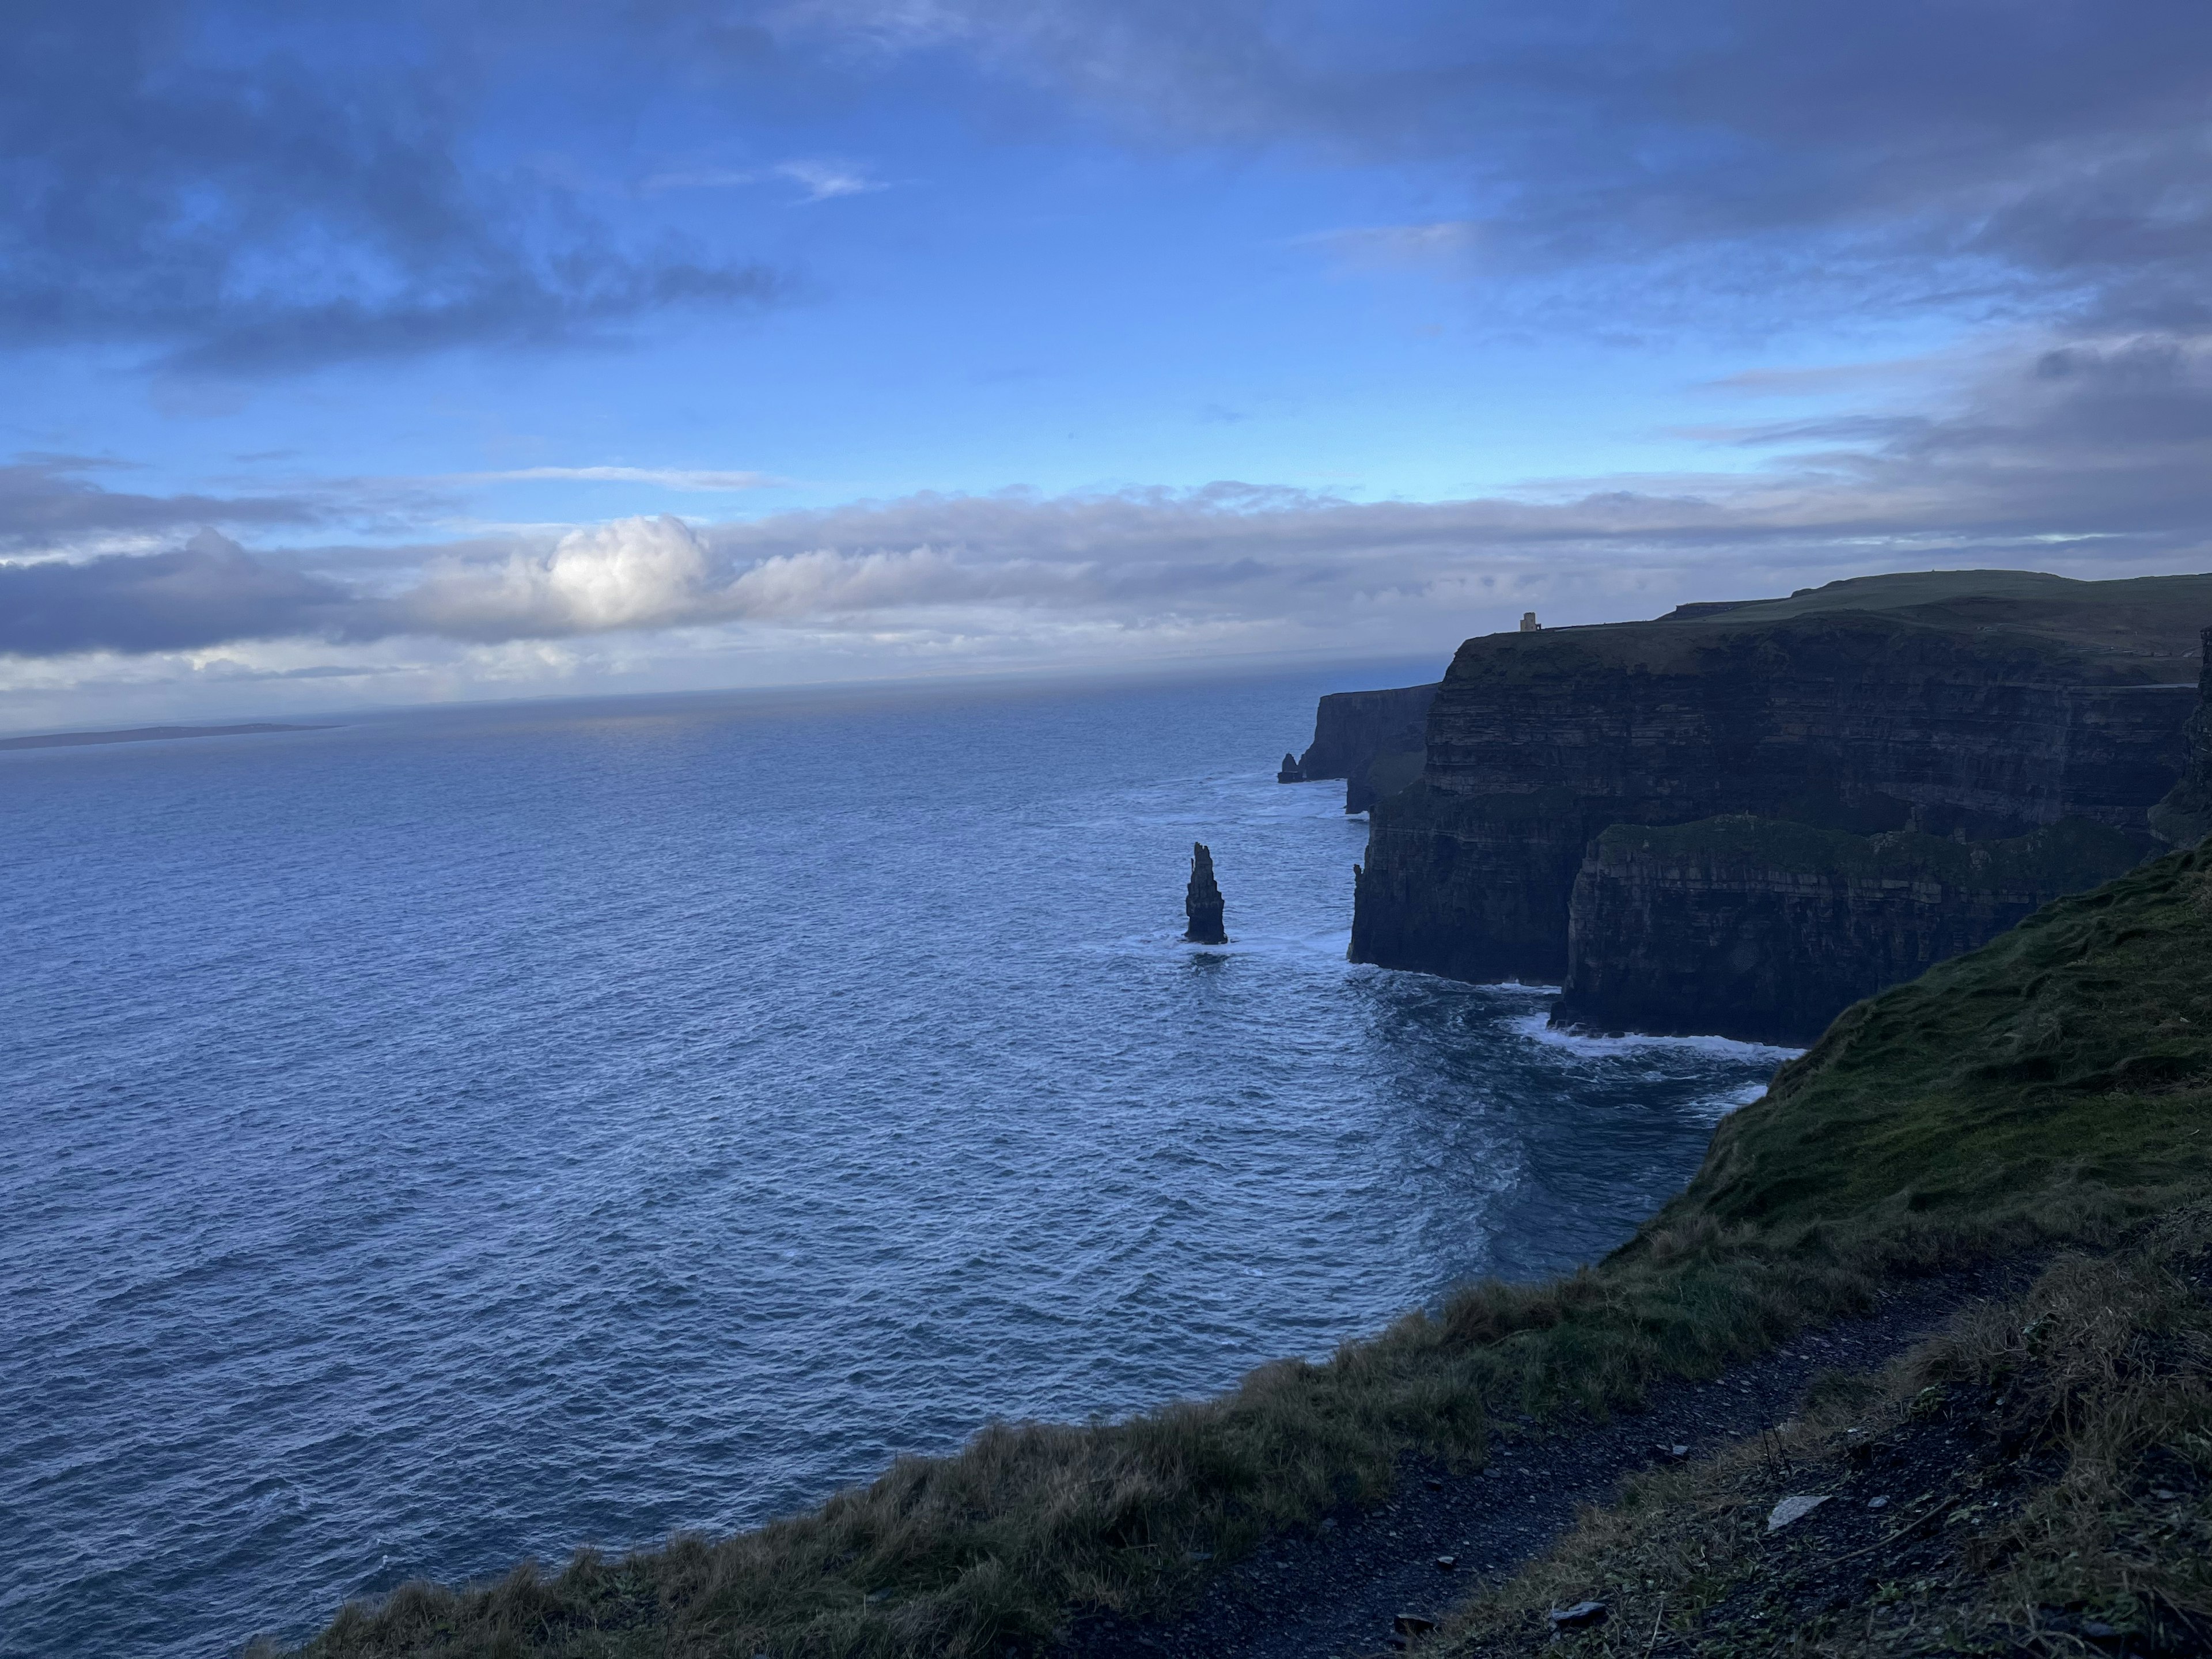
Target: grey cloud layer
(1997,154)
(46,499)
(2089,451)
(250,188)
(206,592)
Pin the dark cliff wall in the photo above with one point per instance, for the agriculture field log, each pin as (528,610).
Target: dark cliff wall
(2184,817)
(1764,930)
(1949,719)
(1867,720)
(1354,730)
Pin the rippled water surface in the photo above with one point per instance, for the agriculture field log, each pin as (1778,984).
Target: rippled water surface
(456,1136)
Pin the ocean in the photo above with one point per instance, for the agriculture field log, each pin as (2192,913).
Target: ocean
(461,1135)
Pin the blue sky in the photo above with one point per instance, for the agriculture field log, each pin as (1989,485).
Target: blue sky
(371,356)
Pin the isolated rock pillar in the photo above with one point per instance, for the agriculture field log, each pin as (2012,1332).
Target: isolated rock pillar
(1203,903)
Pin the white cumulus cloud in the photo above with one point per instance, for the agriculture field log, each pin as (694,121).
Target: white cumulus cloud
(629,573)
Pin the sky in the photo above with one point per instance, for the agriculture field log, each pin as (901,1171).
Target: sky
(363,355)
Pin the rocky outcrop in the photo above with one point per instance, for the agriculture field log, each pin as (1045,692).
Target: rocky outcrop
(1371,740)
(2185,816)
(1973,707)
(1202,903)
(1763,929)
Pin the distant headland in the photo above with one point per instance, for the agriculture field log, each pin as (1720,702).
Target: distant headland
(148,734)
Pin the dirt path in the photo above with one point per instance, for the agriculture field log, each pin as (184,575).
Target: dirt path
(1336,1590)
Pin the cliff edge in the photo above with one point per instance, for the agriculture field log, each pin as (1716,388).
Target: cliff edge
(1373,740)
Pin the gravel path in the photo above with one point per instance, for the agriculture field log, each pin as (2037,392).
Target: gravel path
(1337,1590)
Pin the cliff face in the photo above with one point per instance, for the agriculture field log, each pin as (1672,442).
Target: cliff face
(2184,817)
(1373,740)
(1938,711)
(1763,929)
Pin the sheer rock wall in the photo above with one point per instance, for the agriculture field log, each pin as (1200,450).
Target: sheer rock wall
(1962,721)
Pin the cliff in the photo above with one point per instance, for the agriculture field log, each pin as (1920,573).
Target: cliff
(1373,740)
(2185,816)
(1763,929)
(1977,705)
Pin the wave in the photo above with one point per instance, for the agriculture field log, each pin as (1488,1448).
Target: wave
(1535,1027)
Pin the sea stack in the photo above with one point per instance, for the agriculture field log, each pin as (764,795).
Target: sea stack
(1203,904)
(1290,771)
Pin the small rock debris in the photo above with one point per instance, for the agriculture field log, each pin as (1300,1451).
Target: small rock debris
(1791,1508)
(1581,1616)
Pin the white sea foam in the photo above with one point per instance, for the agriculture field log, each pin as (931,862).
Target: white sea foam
(1714,1108)
(1533,1027)
(1330,945)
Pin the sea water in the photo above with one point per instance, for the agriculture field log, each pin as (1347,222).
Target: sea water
(462,1135)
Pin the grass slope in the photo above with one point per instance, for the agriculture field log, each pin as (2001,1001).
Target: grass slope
(2054,1086)
(2037,1480)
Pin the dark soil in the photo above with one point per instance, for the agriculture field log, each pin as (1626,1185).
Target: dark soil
(1906,1523)
(1342,1588)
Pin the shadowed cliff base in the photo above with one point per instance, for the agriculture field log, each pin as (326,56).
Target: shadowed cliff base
(2054,1086)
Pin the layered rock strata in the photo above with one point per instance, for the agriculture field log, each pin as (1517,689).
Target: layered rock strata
(1763,929)
(1966,707)
(2185,816)
(1373,740)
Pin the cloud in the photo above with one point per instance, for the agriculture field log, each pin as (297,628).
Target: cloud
(2096,452)
(242,192)
(2050,157)
(826,180)
(823,179)
(633,572)
(209,590)
(45,500)
(672,477)
(247,195)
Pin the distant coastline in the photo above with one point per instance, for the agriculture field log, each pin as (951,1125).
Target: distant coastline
(148,734)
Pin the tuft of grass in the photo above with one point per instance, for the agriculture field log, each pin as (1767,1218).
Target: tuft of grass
(2054,1086)
(2045,1472)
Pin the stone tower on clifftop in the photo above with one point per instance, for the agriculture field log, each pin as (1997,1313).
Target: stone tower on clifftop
(1203,903)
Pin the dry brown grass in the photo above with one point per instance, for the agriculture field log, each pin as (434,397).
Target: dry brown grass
(2048,1462)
